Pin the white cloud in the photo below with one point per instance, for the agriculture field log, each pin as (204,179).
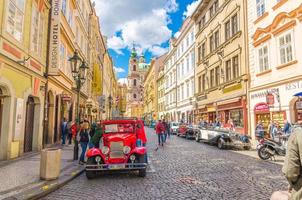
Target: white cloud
(144,22)
(191,8)
(177,34)
(118,69)
(123,81)
(116,43)
(158,50)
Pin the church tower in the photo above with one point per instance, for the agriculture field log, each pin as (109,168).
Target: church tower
(136,74)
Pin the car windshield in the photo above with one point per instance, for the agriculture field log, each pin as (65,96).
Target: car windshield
(119,128)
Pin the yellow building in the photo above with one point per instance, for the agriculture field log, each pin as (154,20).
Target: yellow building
(150,89)
(122,98)
(23,53)
(69,32)
(221,75)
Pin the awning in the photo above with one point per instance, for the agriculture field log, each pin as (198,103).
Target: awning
(299,94)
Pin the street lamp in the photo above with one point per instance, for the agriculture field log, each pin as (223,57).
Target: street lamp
(79,75)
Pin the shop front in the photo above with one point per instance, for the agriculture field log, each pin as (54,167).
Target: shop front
(276,104)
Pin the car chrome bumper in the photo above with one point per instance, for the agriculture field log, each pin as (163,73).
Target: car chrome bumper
(109,167)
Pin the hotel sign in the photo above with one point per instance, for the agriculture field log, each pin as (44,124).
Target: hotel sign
(54,45)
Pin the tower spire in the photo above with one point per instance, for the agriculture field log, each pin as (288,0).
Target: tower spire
(133,53)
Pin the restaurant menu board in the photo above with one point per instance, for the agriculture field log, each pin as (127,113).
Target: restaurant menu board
(278,117)
(265,118)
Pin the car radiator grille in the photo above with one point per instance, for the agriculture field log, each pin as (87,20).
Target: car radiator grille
(116,150)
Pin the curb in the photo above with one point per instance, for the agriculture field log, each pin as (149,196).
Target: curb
(50,186)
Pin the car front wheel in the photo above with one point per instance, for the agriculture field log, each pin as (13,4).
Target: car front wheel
(197,137)
(91,174)
(220,144)
(142,172)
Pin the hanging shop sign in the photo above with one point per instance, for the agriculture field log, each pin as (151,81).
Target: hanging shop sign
(54,45)
(270,99)
(261,107)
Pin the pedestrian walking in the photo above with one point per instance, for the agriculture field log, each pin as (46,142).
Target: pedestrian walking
(64,130)
(165,130)
(292,165)
(270,129)
(168,129)
(259,131)
(287,128)
(84,139)
(69,132)
(159,129)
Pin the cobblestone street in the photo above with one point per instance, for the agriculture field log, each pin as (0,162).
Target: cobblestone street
(184,169)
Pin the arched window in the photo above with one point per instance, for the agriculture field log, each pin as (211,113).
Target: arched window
(134,82)
(134,96)
(134,67)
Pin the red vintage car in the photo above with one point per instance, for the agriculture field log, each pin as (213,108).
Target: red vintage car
(123,148)
(182,130)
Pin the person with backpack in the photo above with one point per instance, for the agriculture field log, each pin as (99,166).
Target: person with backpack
(84,140)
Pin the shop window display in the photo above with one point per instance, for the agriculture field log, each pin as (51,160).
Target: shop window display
(237,117)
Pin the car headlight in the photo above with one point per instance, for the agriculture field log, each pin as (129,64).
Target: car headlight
(97,159)
(105,150)
(126,149)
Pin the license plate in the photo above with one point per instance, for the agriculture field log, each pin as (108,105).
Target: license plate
(116,167)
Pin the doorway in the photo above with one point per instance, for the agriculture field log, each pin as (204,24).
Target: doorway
(29,125)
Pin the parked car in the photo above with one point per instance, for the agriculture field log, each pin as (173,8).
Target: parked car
(122,148)
(223,138)
(174,127)
(182,129)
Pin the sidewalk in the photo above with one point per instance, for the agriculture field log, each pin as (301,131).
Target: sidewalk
(253,153)
(20,179)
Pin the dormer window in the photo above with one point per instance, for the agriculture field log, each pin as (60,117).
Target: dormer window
(134,67)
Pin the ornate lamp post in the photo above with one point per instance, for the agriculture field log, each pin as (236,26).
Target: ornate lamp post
(79,70)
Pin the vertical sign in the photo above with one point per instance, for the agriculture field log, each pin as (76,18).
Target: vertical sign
(54,43)
(19,119)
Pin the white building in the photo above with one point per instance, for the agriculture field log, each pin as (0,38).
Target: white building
(185,67)
(275,61)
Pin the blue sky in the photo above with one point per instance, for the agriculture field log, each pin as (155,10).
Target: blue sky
(150,24)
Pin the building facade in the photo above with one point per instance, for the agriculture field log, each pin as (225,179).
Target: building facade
(275,62)
(161,92)
(23,60)
(170,82)
(150,90)
(222,62)
(136,75)
(185,71)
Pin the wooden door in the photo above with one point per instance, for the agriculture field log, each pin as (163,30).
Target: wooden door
(29,125)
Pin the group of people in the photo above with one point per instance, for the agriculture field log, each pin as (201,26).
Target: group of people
(273,130)
(217,124)
(88,135)
(163,131)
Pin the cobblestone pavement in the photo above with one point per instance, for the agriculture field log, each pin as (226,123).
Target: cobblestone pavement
(184,169)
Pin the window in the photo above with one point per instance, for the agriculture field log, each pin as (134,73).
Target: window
(203,83)
(134,82)
(178,93)
(64,7)
(37,30)
(228,70)
(217,76)
(70,16)
(192,37)
(193,60)
(188,64)
(263,59)
(260,4)
(216,6)
(188,41)
(237,117)
(182,68)
(134,68)
(212,77)
(182,92)
(134,96)
(286,49)
(202,22)
(235,67)
(211,11)
(15,15)
(199,84)
(62,56)
(216,35)
(192,87)
(227,28)
(188,89)
(234,24)
(211,43)
(199,54)
(203,50)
